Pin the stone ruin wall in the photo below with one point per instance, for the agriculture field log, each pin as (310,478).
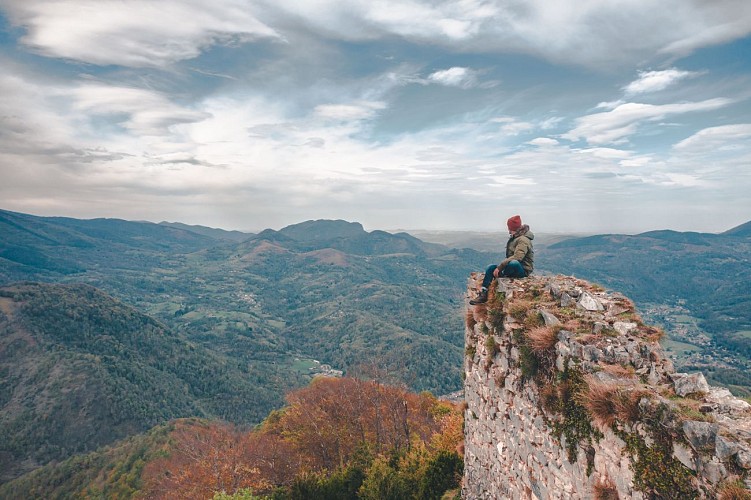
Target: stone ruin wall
(536,426)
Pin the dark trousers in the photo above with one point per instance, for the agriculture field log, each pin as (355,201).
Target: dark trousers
(513,269)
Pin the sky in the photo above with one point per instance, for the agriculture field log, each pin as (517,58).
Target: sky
(581,116)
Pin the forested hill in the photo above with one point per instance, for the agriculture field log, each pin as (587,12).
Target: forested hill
(80,369)
(323,290)
(33,247)
(244,321)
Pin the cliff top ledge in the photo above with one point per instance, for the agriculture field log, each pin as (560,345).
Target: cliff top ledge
(560,356)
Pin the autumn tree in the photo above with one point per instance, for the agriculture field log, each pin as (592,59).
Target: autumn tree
(204,458)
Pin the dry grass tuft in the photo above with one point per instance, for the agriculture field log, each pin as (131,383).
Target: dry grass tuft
(608,402)
(470,319)
(549,396)
(653,333)
(541,339)
(533,319)
(605,490)
(572,325)
(518,309)
(481,312)
(619,371)
(734,491)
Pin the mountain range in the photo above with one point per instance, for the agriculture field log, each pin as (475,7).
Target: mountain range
(131,323)
(116,326)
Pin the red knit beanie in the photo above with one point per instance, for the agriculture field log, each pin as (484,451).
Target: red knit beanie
(514,224)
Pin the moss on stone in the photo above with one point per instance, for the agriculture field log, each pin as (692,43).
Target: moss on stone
(470,351)
(496,317)
(528,362)
(491,346)
(656,472)
(573,422)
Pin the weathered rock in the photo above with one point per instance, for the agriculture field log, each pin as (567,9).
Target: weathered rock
(591,353)
(614,310)
(684,455)
(686,384)
(714,471)
(624,328)
(588,302)
(567,300)
(700,435)
(743,458)
(724,402)
(724,448)
(599,327)
(549,318)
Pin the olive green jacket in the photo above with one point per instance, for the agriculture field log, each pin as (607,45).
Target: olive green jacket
(520,248)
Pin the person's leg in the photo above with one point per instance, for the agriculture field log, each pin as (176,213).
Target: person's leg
(514,269)
(482,297)
(488,279)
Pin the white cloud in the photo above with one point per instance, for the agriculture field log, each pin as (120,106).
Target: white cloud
(563,31)
(543,142)
(356,111)
(610,104)
(710,23)
(636,161)
(455,77)
(715,139)
(511,126)
(549,123)
(143,112)
(616,125)
(138,33)
(143,33)
(654,81)
(607,153)
(683,180)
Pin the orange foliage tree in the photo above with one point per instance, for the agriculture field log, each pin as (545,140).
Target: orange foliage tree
(328,420)
(321,429)
(203,458)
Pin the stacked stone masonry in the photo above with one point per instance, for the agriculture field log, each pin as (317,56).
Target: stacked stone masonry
(536,426)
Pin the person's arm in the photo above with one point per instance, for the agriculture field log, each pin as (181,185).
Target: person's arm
(522,247)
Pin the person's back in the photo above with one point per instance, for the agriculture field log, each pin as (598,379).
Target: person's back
(519,261)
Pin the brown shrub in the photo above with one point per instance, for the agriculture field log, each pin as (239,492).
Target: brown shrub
(653,333)
(620,371)
(533,319)
(470,319)
(572,325)
(541,339)
(549,397)
(605,490)
(518,309)
(608,402)
(733,491)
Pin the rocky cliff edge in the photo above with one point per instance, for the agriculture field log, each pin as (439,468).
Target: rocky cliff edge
(568,395)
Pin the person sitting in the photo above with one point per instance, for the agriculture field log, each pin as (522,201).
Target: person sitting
(519,261)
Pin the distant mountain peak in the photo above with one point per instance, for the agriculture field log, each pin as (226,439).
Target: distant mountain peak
(323,229)
(744,230)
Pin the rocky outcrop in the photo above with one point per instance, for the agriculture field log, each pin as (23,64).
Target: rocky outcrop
(569,395)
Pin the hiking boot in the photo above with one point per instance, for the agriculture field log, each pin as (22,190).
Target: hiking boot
(481,298)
